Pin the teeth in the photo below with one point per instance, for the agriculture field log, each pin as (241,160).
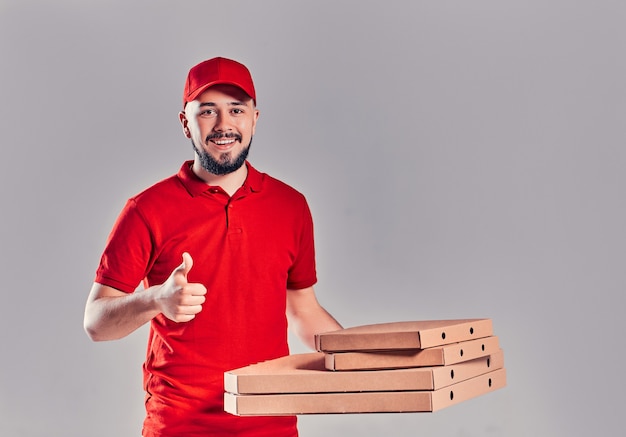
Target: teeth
(224,142)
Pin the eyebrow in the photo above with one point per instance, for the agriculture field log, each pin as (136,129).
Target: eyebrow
(233,103)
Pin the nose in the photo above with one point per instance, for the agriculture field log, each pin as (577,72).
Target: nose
(222,123)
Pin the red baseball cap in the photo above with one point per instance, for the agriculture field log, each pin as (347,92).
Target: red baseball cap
(217,71)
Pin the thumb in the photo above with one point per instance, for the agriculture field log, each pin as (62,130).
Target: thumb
(186,265)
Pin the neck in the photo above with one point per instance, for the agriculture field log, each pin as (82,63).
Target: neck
(230,182)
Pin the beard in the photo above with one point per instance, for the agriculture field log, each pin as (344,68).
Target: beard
(226,163)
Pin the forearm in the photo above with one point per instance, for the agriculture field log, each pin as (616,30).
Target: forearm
(110,315)
(308,323)
(307,317)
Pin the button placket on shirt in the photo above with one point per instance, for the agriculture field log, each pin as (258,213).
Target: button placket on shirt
(235,226)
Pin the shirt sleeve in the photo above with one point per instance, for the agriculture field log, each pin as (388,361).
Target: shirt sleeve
(127,254)
(302,273)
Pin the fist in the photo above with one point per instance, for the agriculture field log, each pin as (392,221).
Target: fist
(178,299)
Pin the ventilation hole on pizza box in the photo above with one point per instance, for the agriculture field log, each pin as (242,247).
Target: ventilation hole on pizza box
(443,335)
(488,362)
(483,347)
(452,374)
(451,395)
(489,382)
(471,330)
(461,352)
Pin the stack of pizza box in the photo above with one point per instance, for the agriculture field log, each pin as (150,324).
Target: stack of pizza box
(416,366)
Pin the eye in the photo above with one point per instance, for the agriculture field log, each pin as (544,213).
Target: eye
(207,113)
(238,111)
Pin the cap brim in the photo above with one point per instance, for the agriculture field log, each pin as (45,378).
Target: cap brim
(203,88)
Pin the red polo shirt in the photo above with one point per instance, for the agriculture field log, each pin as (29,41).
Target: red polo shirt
(248,249)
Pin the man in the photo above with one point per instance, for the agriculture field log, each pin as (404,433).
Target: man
(226,257)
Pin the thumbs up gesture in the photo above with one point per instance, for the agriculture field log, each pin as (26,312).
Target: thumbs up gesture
(178,299)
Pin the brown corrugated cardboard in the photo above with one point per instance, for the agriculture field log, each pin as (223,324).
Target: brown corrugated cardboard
(305,373)
(435,356)
(403,335)
(364,402)
(444,376)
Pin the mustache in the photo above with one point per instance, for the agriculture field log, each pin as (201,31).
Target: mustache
(219,136)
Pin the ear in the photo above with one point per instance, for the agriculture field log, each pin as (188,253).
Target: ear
(256,117)
(184,123)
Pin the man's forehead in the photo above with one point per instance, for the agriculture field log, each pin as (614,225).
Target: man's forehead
(216,99)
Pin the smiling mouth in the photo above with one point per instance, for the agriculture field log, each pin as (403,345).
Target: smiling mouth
(223,140)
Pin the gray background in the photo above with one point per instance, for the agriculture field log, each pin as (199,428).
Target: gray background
(461,159)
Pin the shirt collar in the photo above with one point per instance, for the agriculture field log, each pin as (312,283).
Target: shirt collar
(196,186)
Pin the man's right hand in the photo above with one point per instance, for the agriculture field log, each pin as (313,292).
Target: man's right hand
(178,299)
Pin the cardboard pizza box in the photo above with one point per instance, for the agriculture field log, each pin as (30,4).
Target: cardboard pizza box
(397,359)
(403,335)
(363,402)
(306,373)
